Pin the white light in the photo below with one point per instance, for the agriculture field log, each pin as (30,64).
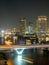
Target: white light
(19,51)
(2,31)
(19,57)
(18,60)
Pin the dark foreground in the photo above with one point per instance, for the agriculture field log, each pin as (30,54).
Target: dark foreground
(28,57)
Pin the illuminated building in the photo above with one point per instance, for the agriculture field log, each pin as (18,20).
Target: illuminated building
(22,26)
(14,29)
(29,29)
(42,26)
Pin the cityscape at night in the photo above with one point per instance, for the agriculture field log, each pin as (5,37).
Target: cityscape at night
(24,32)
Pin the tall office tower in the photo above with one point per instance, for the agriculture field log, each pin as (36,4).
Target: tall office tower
(29,29)
(42,27)
(14,30)
(22,26)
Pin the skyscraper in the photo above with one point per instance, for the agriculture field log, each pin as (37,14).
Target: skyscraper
(42,26)
(22,26)
(29,29)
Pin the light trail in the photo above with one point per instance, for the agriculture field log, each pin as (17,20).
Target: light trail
(28,60)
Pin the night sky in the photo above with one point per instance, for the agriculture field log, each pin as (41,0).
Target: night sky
(12,10)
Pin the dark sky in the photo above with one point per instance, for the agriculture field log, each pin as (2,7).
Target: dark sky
(12,10)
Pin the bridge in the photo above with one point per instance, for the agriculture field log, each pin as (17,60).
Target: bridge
(24,46)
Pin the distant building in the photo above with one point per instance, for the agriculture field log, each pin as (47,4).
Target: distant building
(22,26)
(29,29)
(42,26)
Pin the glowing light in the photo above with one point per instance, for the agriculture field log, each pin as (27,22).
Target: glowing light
(28,42)
(47,38)
(8,42)
(39,19)
(19,58)
(2,32)
(19,51)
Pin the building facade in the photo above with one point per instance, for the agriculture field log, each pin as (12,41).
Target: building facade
(22,26)
(42,27)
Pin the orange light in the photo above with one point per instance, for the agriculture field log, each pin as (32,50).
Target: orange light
(8,42)
(39,19)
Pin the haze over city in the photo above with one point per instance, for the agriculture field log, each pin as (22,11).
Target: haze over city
(12,10)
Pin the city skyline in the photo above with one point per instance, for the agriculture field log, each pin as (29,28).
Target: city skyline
(12,10)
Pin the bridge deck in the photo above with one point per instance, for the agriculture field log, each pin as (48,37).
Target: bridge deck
(24,46)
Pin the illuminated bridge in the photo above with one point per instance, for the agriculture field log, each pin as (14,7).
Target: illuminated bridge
(22,47)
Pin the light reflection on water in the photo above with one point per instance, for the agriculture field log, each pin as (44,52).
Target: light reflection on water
(18,60)
(32,57)
(24,59)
